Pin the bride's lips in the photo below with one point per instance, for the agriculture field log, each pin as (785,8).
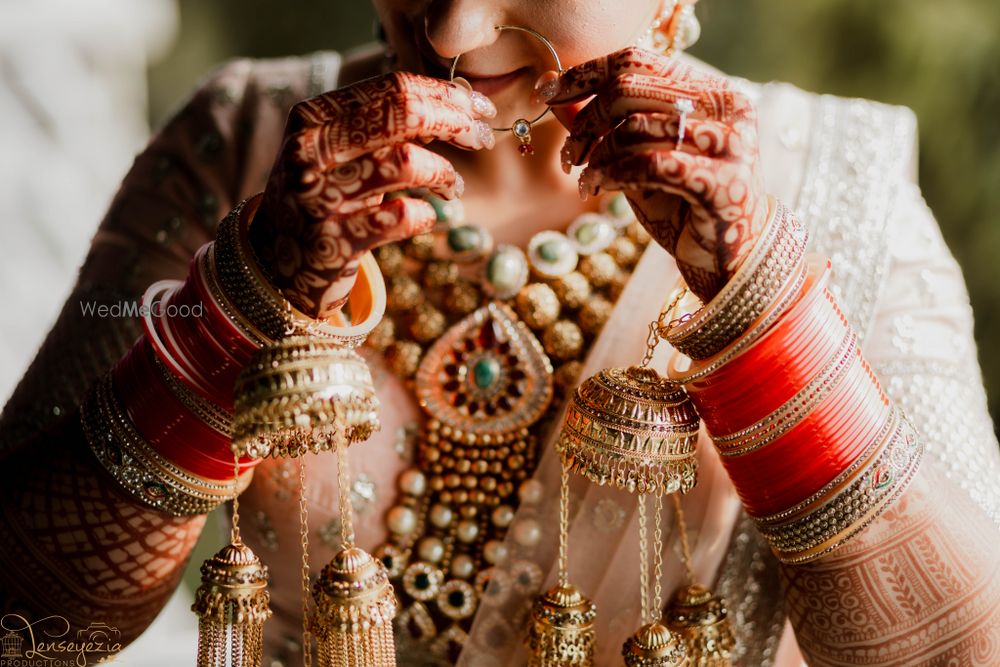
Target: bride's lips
(490,85)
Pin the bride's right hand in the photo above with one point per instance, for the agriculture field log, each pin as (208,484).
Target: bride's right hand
(343,151)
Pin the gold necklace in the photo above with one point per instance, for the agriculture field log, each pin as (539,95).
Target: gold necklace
(491,341)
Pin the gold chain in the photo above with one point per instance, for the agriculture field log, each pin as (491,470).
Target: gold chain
(563,527)
(344,484)
(658,552)
(643,561)
(234,535)
(653,338)
(683,535)
(304,531)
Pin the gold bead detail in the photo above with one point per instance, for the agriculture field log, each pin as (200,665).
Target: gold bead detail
(567,376)
(390,259)
(594,314)
(624,251)
(538,305)
(461,298)
(573,289)
(403,357)
(439,273)
(599,268)
(383,335)
(617,285)
(637,233)
(404,293)
(421,247)
(427,323)
(563,340)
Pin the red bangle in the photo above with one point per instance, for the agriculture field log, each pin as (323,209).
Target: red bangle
(166,423)
(813,452)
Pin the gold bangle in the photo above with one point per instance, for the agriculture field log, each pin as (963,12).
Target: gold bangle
(848,504)
(752,290)
(251,294)
(140,470)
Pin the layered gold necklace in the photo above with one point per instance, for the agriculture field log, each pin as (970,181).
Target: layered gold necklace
(490,339)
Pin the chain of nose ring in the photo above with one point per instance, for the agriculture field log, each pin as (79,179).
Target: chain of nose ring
(521,128)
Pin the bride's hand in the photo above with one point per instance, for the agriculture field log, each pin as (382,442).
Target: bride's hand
(324,205)
(702,198)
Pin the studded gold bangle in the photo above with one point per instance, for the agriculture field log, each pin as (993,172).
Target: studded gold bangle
(755,287)
(143,473)
(848,504)
(251,294)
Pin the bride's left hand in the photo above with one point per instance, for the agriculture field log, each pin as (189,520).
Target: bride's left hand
(702,198)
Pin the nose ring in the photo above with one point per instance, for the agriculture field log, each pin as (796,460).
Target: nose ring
(520,128)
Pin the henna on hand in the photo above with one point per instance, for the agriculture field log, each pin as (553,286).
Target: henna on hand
(324,205)
(700,195)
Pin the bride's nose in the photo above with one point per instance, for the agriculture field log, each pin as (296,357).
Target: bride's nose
(455,27)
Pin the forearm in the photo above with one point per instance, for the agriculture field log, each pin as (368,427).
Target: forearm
(78,547)
(918,586)
(832,473)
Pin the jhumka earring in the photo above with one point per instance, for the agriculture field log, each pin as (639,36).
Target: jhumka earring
(675,28)
(635,430)
(521,128)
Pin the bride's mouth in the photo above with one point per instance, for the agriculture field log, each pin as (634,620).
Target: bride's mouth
(492,84)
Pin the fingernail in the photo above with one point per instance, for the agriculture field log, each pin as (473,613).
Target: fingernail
(546,87)
(459,188)
(461,81)
(485,135)
(482,105)
(581,186)
(567,163)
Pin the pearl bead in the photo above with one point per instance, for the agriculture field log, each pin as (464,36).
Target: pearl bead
(502,516)
(527,532)
(462,566)
(494,552)
(531,492)
(467,531)
(441,516)
(413,482)
(431,549)
(401,520)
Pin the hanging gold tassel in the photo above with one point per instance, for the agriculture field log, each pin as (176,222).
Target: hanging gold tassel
(355,602)
(561,630)
(698,616)
(355,606)
(232,604)
(701,618)
(654,645)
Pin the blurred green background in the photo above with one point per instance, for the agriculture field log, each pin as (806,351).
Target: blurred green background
(940,58)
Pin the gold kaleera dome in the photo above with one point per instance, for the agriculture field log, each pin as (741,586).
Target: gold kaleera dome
(300,395)
(654,645)
(631,428)
(701,618)
(561,629)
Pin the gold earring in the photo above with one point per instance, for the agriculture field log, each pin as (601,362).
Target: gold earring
(521,128)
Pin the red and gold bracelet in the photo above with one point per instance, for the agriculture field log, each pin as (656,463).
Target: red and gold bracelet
(814,448)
